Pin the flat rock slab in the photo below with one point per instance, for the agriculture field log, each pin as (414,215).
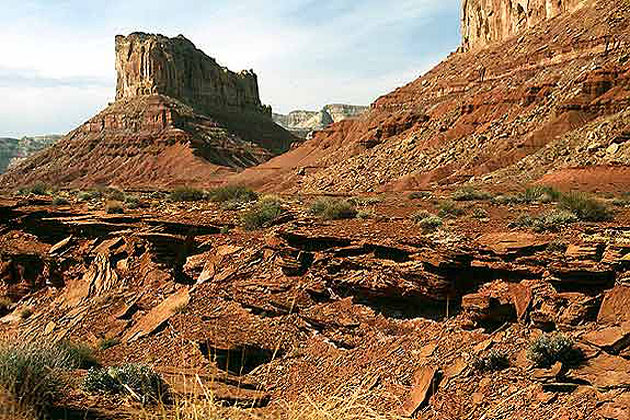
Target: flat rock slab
(615,308)
(424,380)
(158,316)
(504,243)
(605,372)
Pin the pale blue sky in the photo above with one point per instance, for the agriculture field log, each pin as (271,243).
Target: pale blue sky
(57,66)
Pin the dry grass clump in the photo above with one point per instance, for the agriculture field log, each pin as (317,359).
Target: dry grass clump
(349,407)
(334,209)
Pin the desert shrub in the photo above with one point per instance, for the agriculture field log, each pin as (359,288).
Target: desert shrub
(508,199)
(115,194)
(114,207)
(60,201)
(133,202)
(333,209)
(557,246)
(428,221)
(225,230)
(540,194)
(470,194)
(38,188)
(235,193)
(492,362)
(479,213)
(139,381)
(420,195)
(81,356)
(585,207)
(548,349)
(449,208)
(187,194)
(108,343)
(550,221)
(90,195)
(365,214)
(262,214)
(33,372)
(26,313)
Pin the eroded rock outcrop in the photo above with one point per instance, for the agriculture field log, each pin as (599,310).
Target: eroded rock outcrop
(304,123)
(154,64)
(179,119)
(487,21)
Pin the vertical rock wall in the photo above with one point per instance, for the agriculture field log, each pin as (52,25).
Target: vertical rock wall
(154,64)
(487,21)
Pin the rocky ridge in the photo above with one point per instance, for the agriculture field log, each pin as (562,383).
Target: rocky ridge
(304,123)
(487,116)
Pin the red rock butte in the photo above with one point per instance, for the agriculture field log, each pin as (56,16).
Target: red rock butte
(179,119)
(538,93)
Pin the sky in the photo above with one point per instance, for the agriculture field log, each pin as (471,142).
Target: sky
(57,56)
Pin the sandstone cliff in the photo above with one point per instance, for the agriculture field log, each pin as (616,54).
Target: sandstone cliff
(179,119)
(487,21)
(304,123)
(154,64)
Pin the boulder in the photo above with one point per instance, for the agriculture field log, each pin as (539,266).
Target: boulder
(615,308)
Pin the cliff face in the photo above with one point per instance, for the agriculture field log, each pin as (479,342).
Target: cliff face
(303,123)
(154,64)
(487,21)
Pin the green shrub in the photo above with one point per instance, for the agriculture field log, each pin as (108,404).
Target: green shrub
(585,207)
(33,373)
(90,195)
(108,343)
(431,223)
(114,207)
(548,349)
(60,201)
(449,208)
(540,194)
(81,356)
(138,381)
(479,213)
(187,194)
(365,214)
(494,361)
(235,193)
(133,202)
(115,194)
(39,188)
(262,214)
(550,221)
(470,194)
(508,199)
(333,209)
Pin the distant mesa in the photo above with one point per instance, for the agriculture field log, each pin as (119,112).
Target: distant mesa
(179,119)
(13,150)
(304,123)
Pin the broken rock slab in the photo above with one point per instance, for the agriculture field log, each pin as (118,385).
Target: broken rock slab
(615,308)
(425,380)
(158,316)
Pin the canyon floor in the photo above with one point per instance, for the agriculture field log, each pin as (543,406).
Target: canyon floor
(395,307)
